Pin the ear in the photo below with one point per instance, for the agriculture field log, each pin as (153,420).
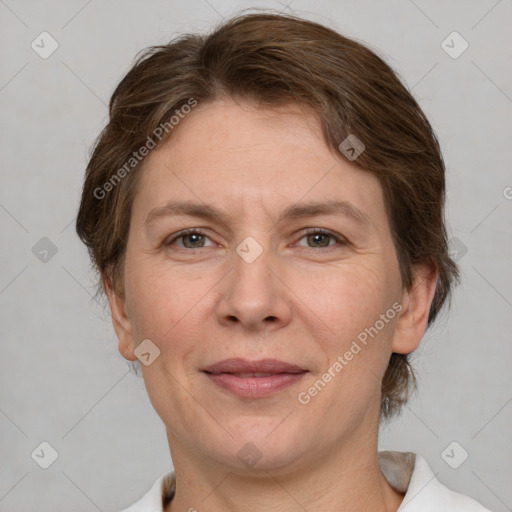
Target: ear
(120,319)
(412,322)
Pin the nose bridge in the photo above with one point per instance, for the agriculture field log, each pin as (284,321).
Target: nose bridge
(252,281)
(252,294)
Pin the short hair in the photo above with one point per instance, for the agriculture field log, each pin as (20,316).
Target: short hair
(272,60)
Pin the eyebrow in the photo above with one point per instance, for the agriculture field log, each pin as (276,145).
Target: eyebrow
(295,211)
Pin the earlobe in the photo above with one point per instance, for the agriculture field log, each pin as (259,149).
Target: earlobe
(120,319)
(416,301)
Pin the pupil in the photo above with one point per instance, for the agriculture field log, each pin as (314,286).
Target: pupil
(320,238)
(194,238)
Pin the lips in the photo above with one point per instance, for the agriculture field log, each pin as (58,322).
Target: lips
(254,379)
(244,368)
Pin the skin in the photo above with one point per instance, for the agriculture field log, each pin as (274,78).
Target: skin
(303,301)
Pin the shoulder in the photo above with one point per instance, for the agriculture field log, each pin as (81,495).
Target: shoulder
(423,491)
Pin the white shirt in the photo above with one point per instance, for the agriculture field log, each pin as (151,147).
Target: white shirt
(407,472)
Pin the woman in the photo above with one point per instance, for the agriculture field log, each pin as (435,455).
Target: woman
(265,209)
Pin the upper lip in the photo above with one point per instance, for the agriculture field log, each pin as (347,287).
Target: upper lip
(239,365)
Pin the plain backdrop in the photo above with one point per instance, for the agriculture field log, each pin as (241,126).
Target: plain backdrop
(63,381)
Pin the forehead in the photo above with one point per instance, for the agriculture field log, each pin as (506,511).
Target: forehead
(238,156)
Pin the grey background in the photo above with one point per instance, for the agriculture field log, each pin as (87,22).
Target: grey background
(62,379)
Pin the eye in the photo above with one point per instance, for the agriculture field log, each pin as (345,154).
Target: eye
(190,238)
(320,238)
(196,239)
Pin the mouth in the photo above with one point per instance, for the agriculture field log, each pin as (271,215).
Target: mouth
(254,379)
(249,375)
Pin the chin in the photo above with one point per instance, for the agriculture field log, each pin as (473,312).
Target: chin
(264,444)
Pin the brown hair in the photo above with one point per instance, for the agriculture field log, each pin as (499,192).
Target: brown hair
(271,60)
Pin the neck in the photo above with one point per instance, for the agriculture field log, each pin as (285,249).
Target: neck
(345,479)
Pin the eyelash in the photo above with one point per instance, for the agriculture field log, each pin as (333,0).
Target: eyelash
(309,231)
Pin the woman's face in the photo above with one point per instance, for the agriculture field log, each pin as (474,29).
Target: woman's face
(252,283)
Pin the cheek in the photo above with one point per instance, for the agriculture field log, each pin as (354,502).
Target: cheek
(356,345)
(164,307)
(160,298)
(347,298)
(334,302)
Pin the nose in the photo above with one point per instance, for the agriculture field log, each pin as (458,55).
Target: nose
(254,294)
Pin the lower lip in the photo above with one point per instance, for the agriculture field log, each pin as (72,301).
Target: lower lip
(255,387)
